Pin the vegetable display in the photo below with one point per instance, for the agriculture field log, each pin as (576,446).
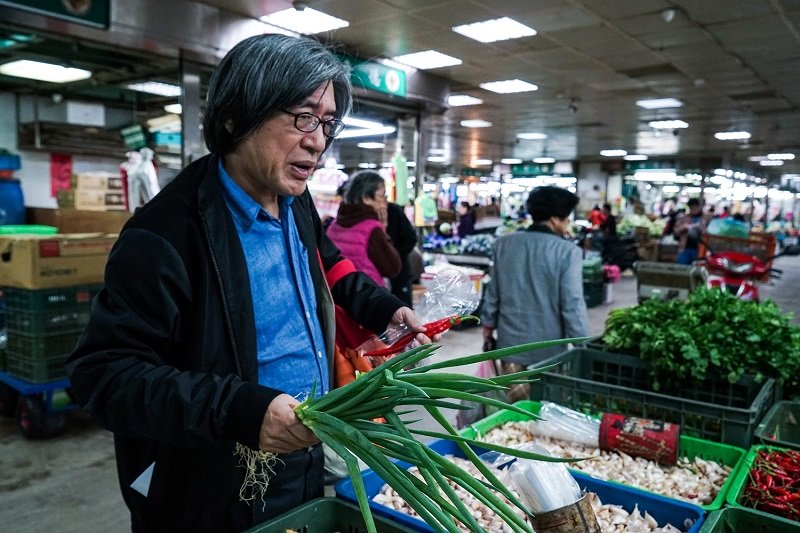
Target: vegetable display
(711,334)
(629,222)
(774,483)
(344,419)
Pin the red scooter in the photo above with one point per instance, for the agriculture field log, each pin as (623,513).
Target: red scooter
(739,272)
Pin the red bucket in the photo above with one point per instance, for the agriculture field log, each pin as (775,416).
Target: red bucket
(640,437)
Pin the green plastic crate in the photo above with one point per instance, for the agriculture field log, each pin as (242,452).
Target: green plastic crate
(780,426)
(689,447)
(326,515)
(42,346)
(36,369)
(593,293)
(740,520)
(740,481)
(594,381)
(49,321)
(41,300)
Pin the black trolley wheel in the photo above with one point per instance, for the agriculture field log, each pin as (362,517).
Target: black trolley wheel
(35,422)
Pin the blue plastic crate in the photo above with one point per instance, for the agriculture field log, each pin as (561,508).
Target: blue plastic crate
(662,509)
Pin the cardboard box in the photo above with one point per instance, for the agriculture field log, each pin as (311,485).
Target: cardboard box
(96,180)
(75,221)
(91,199)
(44,262)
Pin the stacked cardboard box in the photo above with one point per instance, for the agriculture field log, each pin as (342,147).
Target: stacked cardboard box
(93,191)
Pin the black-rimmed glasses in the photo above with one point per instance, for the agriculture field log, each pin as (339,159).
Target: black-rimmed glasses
(309,122)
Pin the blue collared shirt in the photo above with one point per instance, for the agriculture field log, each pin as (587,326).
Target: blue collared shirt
(289,339)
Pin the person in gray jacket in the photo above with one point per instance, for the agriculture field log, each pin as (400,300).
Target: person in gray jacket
(536,287)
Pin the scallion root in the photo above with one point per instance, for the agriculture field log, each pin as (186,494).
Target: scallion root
(259,468)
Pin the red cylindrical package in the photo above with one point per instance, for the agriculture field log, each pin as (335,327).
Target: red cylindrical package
(640,437)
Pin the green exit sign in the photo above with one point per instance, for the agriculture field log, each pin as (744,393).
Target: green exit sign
(376,76)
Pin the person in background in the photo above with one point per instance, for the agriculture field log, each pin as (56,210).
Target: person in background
(466,219)
(689,230)
(215,319)
(608,227)
(595,216)
(404,238)
(536,292)
(360,227)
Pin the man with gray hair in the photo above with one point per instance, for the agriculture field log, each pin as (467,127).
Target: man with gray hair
(217,314)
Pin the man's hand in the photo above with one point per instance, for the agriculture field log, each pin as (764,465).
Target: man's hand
(281,430)
(406,316)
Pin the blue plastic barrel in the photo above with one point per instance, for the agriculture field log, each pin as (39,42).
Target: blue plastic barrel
(12,203)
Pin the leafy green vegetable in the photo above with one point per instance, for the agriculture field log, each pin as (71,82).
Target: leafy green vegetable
(711,334)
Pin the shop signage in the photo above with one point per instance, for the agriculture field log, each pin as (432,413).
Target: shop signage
(532,169)
(91,12)
(474,172)
(650,164)
(376,76)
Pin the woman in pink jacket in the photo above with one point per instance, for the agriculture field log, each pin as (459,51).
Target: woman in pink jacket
(359,230)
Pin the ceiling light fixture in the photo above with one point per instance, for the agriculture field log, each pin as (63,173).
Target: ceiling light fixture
(367,165)
(613,153)
(659,103)
(668,14)
(427,60)
(511,161)
(544,160)
(307,21)
(481,162)
(458,100)
(509,86)
(784,157)
(476,123)
(156,87)
(174,108)
(361,122)
(771,163)
(532,136)
(732,135)
(366,132)
(36,70)
(437,159)
(371,145)
(668,124)
(635,157)
(493,30)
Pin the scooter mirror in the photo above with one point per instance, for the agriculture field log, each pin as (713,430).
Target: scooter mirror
(791,250)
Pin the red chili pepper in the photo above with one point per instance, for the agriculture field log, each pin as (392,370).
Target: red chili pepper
(431,328)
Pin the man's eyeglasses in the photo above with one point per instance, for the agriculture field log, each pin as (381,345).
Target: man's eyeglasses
(308,122)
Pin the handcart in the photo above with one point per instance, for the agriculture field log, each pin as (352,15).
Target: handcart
(667,281)
(39,407)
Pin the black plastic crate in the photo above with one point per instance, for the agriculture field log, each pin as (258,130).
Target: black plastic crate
(42,300)
(593,293)
(595,381)
(36,369)
(43,346)
(48,322)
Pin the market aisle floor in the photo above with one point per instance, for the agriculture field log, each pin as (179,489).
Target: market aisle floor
(68,484)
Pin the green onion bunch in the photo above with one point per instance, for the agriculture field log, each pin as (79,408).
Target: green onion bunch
(345,420)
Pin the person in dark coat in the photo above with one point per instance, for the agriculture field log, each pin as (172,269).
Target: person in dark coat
(404,238)
(217,313)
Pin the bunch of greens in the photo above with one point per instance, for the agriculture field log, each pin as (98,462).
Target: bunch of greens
(344,419)
(712,334)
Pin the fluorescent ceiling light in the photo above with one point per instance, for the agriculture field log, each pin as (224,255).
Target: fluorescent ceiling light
(509,86)
(732,135)
(635,157)
(493,30)
(458,100)
(436,151)
(367,165)
(371,145)
(427,60)
(532,136)
(670,188)
(361,123)
(659,103)
(308,21)
(156,87)
(511,161)
(784,157)
(613,153)
(668,124)
(411,164)
(366,132)
(481,162)
(477,123)
(771,163)
(174,108)
(437,159)
(35,70)
(544,159)
(757,158)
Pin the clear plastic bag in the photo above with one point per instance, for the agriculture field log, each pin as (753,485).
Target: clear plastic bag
(543,486)
(450,294)
(562,423)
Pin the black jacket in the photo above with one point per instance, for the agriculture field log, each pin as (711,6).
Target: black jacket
(168,360)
